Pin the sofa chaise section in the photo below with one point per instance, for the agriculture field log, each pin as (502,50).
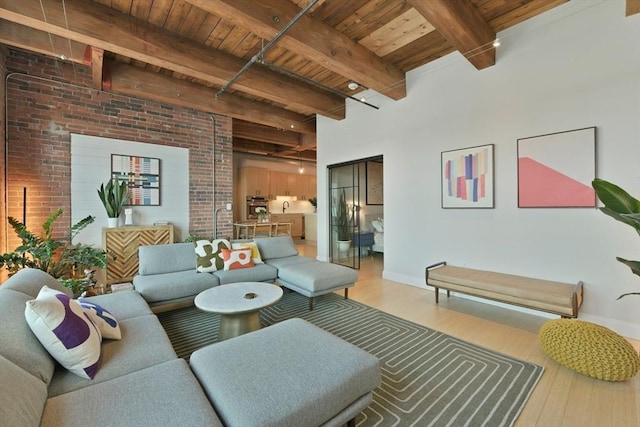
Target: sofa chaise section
(304,275)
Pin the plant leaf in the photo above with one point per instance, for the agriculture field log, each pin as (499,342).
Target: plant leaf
(615,198)
(633,265)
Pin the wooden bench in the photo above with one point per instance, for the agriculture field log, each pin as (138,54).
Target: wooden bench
(559,298)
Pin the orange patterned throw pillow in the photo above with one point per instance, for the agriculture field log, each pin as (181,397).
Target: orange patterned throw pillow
(236,258)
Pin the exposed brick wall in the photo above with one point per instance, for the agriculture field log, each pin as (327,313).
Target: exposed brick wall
(48,100)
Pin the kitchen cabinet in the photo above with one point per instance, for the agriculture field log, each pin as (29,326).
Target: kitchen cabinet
(297,223)
(306,186)
(284,184)
(254,181)
(293,184)
(124,242)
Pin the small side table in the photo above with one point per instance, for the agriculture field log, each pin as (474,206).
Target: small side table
(364,240)
(239,305)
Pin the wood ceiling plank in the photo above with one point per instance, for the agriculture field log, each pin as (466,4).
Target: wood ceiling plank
(159,12)
(98,26)
(141,9)
(133,81)
(312,39)
(460,23)
(376,19)
(633,7)
(406,28)
(529,10)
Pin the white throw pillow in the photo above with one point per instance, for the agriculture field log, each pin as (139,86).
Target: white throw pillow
(65,331)
(378,226)
(104,320)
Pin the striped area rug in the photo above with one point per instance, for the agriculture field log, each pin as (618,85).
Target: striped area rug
(428,378)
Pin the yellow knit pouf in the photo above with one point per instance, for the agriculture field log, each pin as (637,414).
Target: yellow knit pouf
(589,349)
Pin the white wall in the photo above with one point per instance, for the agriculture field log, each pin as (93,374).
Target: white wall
(573,67)
(91,166)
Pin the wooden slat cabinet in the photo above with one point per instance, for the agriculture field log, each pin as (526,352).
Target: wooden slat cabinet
(124,242)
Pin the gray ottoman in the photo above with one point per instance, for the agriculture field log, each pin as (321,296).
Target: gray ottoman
(288,374)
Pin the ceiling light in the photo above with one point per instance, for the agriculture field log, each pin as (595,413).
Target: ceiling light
(363,99)
(293,126)
(496,43)
(353,85)
(63,57)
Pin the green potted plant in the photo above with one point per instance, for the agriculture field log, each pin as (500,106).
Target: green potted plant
(314,203)
(343,223)
(60,258)
(623,207)
(114,195)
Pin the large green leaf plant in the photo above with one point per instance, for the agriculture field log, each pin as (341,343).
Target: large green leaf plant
(58,257)
(623,207)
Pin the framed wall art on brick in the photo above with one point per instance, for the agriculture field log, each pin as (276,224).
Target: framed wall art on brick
(142,175)
(556,170)
(467,177)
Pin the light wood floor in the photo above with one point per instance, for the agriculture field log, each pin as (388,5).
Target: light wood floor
(562,398)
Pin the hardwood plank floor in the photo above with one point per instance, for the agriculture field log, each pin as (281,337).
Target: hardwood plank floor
(561,398)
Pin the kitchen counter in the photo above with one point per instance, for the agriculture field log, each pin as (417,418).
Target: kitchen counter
(311,228)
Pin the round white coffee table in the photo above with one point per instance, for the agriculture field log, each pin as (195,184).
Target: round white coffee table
(239,305)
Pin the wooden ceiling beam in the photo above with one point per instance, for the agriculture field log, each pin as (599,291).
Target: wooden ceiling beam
(312,39)
(134,81)
(96,25)
(271,150)
(16,35)
(463,26)
(94,57)
(257,132)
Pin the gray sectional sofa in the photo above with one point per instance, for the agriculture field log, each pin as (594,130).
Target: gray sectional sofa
(141,382)
(167,276)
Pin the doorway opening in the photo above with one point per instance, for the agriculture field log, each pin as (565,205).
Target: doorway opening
(356,206)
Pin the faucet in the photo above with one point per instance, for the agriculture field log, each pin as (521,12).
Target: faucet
(284,208)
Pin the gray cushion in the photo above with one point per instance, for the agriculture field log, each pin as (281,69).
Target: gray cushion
(276,247)
(259,273)
(170,286)
(30,280)
(122,304)
(287,261)
(306,384)
(22,396)
(17,342)
(144,343)
(163,395)
(318,276)
(158,259)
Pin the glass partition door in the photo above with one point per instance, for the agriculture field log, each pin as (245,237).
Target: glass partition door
(344,218)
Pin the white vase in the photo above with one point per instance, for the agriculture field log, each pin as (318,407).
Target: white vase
(113,222)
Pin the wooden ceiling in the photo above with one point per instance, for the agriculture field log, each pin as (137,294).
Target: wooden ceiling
(186,52)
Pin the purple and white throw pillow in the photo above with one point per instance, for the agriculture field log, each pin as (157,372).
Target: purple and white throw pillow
(66,331)
(104,320)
